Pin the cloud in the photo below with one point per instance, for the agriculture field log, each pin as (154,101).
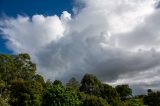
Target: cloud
(116,40)
(28,35)
(144,36)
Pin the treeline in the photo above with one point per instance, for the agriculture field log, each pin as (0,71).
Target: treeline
(21,86)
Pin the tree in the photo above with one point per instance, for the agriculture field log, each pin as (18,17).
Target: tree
(90,85)
(7,67)
(39,78)
(21,86)
(25,93)
(2,86)
(124,91)
(16,66)
(134,102)
(57,82)
(25,68)
(73,83)
(94,101)
(58,95)
(3,102)
(110,94)
(149,91)
(152,99)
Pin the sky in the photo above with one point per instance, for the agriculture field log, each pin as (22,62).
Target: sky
(118,41)
(12,8)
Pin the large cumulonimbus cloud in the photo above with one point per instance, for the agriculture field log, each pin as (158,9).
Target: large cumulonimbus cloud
(116,40)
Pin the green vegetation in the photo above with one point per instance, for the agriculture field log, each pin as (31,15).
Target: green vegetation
(21,86)
(124,91)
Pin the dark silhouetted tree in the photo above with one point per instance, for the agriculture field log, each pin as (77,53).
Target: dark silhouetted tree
(152,99)
(124,91)
(90,85)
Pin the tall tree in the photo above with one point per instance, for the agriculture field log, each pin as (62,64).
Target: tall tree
(124,91)
(73,83)
(25,68)
(7,67)
(110,94)
(90,85)
(16,66)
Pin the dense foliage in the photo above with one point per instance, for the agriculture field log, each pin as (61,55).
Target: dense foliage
(152,99)
(58,95)
(21,86)
(124,91)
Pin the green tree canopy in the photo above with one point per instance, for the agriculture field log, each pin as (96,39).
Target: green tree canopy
(16,66)
(90,84)
(94,101)
(110,94)
(58,95)
(25,93)
(124,91)
(73,83)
